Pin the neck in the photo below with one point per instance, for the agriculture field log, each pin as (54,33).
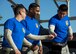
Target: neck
(19,18)
(30,15)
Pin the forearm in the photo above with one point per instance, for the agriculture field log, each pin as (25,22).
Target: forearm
(52,28)
(70,32)
(35,37)
(27,43)
(40,43)
(8,37)
(40,50)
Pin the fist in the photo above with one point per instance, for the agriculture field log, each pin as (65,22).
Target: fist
(54,34)
(35,47)
(70,37)
(51,37)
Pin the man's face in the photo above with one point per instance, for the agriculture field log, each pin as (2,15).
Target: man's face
(23,13)
(35,11)
(62,14)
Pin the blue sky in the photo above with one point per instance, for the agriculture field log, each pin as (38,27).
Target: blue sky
(47,10)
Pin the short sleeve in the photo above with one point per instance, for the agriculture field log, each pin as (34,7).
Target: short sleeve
(68,22)
(9,25)
(52,21)
(27,32)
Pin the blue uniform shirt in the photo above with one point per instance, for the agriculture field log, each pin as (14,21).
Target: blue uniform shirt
(61,28)
(32,26)
(18,32)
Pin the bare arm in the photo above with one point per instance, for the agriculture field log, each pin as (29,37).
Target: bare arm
(8,37)
(70,30)
(35,37)
(40,48)
(40,43)
(70,33)
(52,28)
(27,43)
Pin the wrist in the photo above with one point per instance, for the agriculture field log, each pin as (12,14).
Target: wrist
(16,50)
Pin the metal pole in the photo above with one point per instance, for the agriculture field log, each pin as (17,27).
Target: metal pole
(0,17)
(12,2)
(56,3)
(1,24)
(68,8)
(37,2)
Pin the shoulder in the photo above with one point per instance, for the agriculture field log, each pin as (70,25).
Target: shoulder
(54,18)
(67,18)
(9,24)
(11,20)
(27,18)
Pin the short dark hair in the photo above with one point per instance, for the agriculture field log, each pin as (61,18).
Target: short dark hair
(17,9)
(63,7)
(32,5)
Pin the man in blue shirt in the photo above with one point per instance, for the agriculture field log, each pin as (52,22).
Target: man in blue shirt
(32,24)
(14,32)
(59,26)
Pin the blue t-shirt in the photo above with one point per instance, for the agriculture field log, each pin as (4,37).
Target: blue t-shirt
(32,26)
(18,32)
(61,28)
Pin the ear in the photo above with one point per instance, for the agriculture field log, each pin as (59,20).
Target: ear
(31,9)
(19,12)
